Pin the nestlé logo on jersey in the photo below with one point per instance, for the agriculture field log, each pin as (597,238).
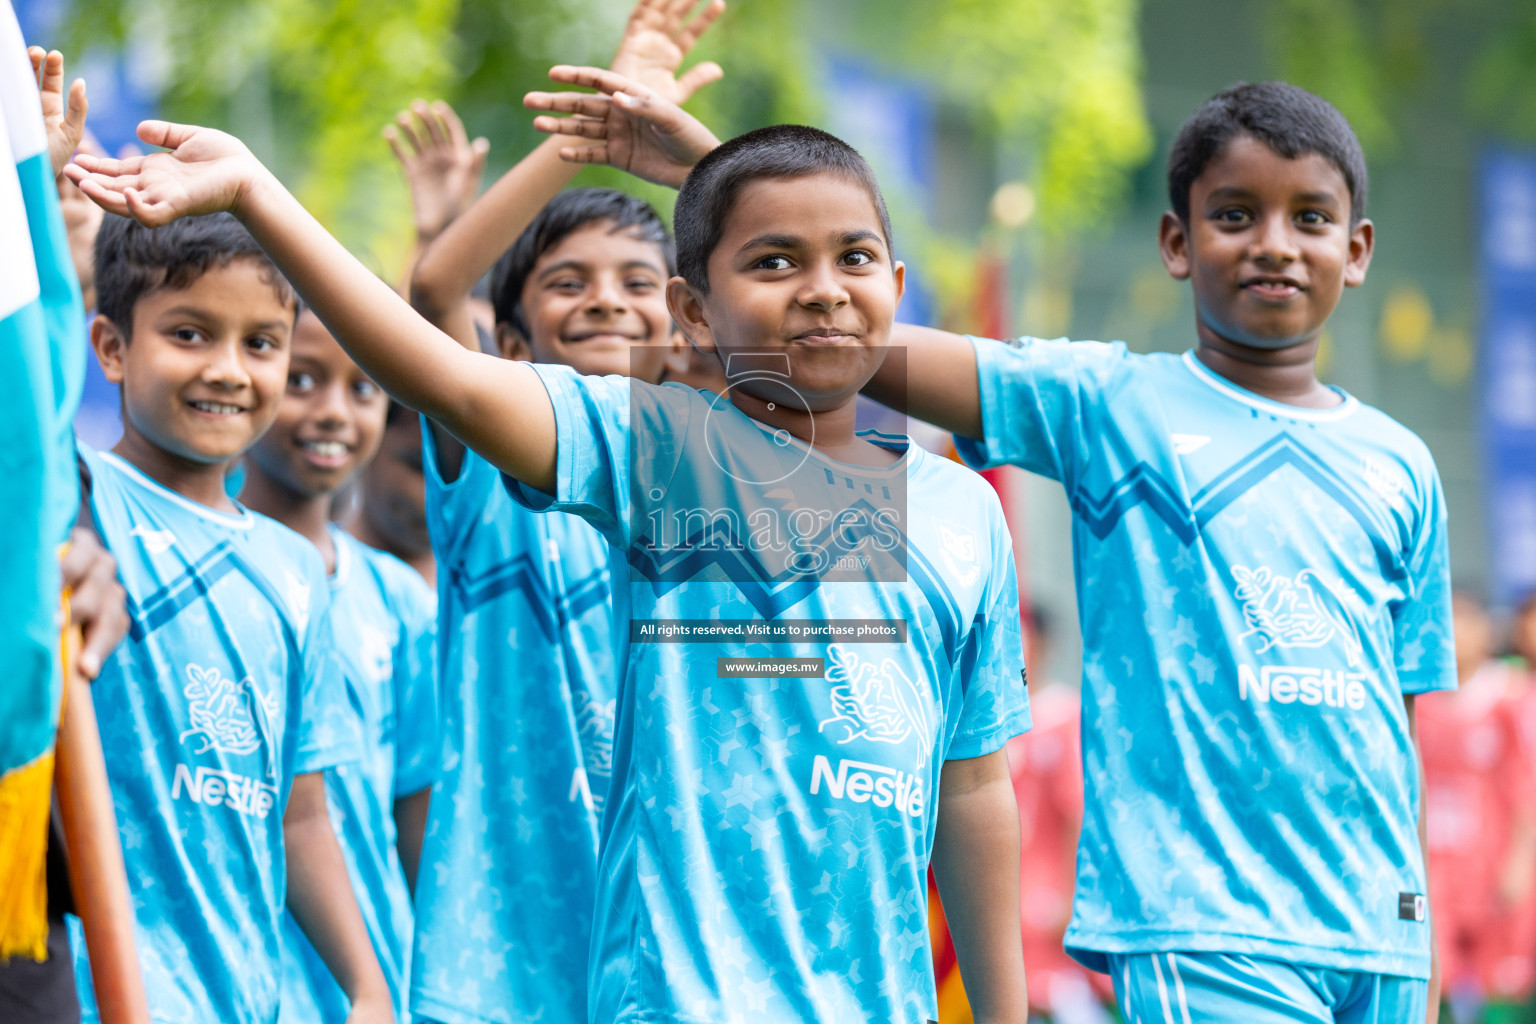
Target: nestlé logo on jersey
(1290,612)
(863,782)
(232,718)
(214,787)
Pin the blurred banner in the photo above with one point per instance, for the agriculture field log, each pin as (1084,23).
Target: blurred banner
(1508,370)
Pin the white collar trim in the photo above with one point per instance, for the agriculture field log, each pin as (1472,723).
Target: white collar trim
(1281,409)
(241,520)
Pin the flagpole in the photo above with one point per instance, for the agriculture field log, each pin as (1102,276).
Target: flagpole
(95,857)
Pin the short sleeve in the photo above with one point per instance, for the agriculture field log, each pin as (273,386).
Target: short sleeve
(1039,400)
(1423,648)
(994,702)
(620,442)
(328,729)
(418,747)
(453,505)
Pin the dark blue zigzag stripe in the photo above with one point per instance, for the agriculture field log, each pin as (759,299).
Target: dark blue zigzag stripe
(166,603)
(195,582)
(522,575)
(1145,486)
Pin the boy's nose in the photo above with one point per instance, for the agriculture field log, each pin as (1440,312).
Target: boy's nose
(225,368)
(823,290)
(609,297)
(1276,241)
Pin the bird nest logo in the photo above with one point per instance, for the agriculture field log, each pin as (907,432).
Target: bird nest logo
(228,717)
(879,703)
(1299,611)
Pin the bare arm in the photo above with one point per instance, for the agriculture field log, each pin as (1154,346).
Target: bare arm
(976,864)
(498,408)
(936,382)
(410,829)
(321,900)
(1432,1015)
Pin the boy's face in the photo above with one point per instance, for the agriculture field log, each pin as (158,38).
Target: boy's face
(329,421)
(597,302)
(801,268)
(202,368)
(1268,248)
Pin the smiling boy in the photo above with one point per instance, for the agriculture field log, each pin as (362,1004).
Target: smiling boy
(330,423)
(222,707)
(767,834)
(1264,588)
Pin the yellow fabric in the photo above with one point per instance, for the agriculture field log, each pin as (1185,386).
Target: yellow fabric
(24,806)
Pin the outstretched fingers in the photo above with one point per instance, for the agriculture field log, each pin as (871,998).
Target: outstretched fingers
(600,79)
(584,154)
(696,78)
(583,103)
(690,33)
(583,127)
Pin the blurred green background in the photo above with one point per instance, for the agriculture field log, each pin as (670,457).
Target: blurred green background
(1032,204)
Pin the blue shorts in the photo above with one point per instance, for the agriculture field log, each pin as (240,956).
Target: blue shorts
(1207,988)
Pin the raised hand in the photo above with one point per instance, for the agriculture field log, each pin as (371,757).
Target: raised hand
(205,172)
(657,38)
(64,119)
(633,128)
(441,165)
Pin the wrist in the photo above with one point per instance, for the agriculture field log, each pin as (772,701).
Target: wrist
(256,186)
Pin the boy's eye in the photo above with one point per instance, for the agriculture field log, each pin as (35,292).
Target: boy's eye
(260,343)
(772,263)
(567,286)
(366,389)
(1313,218)
(640,284)
(859,258)
(300,381)
(1232,215)
(191,335)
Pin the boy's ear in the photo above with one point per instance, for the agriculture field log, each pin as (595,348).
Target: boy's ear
(1362,243)
(511,343)
(676,360)
(687,309)
(111,346)
(1173,246)
(899,271)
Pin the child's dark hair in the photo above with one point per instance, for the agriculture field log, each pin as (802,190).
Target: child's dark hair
(777,151)
(567,213)
(133,260)
(1287,119)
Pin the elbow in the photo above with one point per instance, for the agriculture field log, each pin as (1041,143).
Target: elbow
(427,292)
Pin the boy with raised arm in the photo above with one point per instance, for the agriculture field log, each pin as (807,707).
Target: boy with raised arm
(329,424)
(526,598)
(767,832)
(1284,546)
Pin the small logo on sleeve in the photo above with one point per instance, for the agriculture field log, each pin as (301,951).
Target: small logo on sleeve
(1412,907)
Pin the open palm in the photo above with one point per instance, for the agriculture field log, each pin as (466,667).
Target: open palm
(205,172)
(631,127)
(657,38)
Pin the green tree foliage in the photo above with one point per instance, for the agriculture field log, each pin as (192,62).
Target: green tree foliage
(310,83)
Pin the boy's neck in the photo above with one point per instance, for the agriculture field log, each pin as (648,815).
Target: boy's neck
(200,482)
(1286,375)
(830,431)
(305,514)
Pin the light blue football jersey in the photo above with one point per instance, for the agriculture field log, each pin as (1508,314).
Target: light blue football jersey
(1259,585)
(509,866)
(225,689)
(384,619)
(767,838)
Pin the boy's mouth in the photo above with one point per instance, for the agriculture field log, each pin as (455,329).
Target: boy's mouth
(1272,289)
(822,336)
(216,408)
(609,337)
(326,454)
